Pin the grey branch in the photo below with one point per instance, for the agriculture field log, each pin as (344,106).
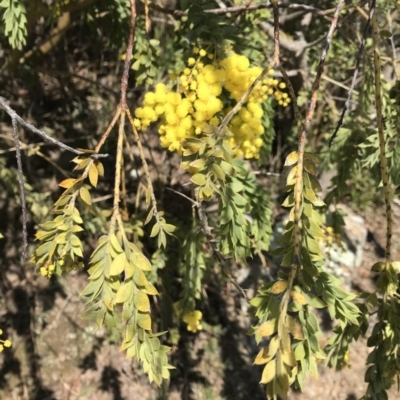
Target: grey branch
(47,138)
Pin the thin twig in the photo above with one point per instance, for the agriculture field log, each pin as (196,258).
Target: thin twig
(381,133)
(49,139)
(121,113)
(21,189)
(245,8)
(145,166)
(356,70)
(183,195)
(207,230)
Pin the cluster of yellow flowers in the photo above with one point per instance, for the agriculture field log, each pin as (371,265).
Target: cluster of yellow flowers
(4,343)
(331,238)
(192,319)
(203,91)
(48,270)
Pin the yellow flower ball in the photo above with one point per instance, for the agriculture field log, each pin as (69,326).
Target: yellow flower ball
(150,98)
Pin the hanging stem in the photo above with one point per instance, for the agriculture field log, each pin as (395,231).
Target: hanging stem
(381,135)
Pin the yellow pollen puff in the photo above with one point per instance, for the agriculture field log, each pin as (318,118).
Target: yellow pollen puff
(150,98)
(196,104)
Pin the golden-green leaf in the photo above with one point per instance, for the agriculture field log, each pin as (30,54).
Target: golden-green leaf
(100,168)
(298,297)
(262,357)
(309,167)
(83,164)
(268,372)
(288,358)
(118,264)
(124,292)
(312,158)
(294,328)
(144,321)
(291,178)
(85,195)
(279,287)
(200,163)
(267,328)
(139,277)
(93,175)
(115,243)
(67,183)
(142,262)
(199,179)
(292,158)
(142,302)
(150,289)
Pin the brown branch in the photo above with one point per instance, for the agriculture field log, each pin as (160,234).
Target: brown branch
(121,113)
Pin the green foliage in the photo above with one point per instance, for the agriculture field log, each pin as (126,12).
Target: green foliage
(15,21)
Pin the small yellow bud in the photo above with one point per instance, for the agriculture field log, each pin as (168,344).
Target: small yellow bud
(7,343)
(202,53)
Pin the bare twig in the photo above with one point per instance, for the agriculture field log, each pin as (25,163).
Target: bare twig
(356,70)
(207,230)
(49,139)
(381,134)
(245,8)
(121,114)
(21,190)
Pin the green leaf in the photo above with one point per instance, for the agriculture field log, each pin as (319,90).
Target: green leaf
(124,292)
(267,328)
(93,175)
(142,302)
(118,264)
(144,321)
(155,230)
(299,352)
(291,159)
(115,243)
(199,179)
